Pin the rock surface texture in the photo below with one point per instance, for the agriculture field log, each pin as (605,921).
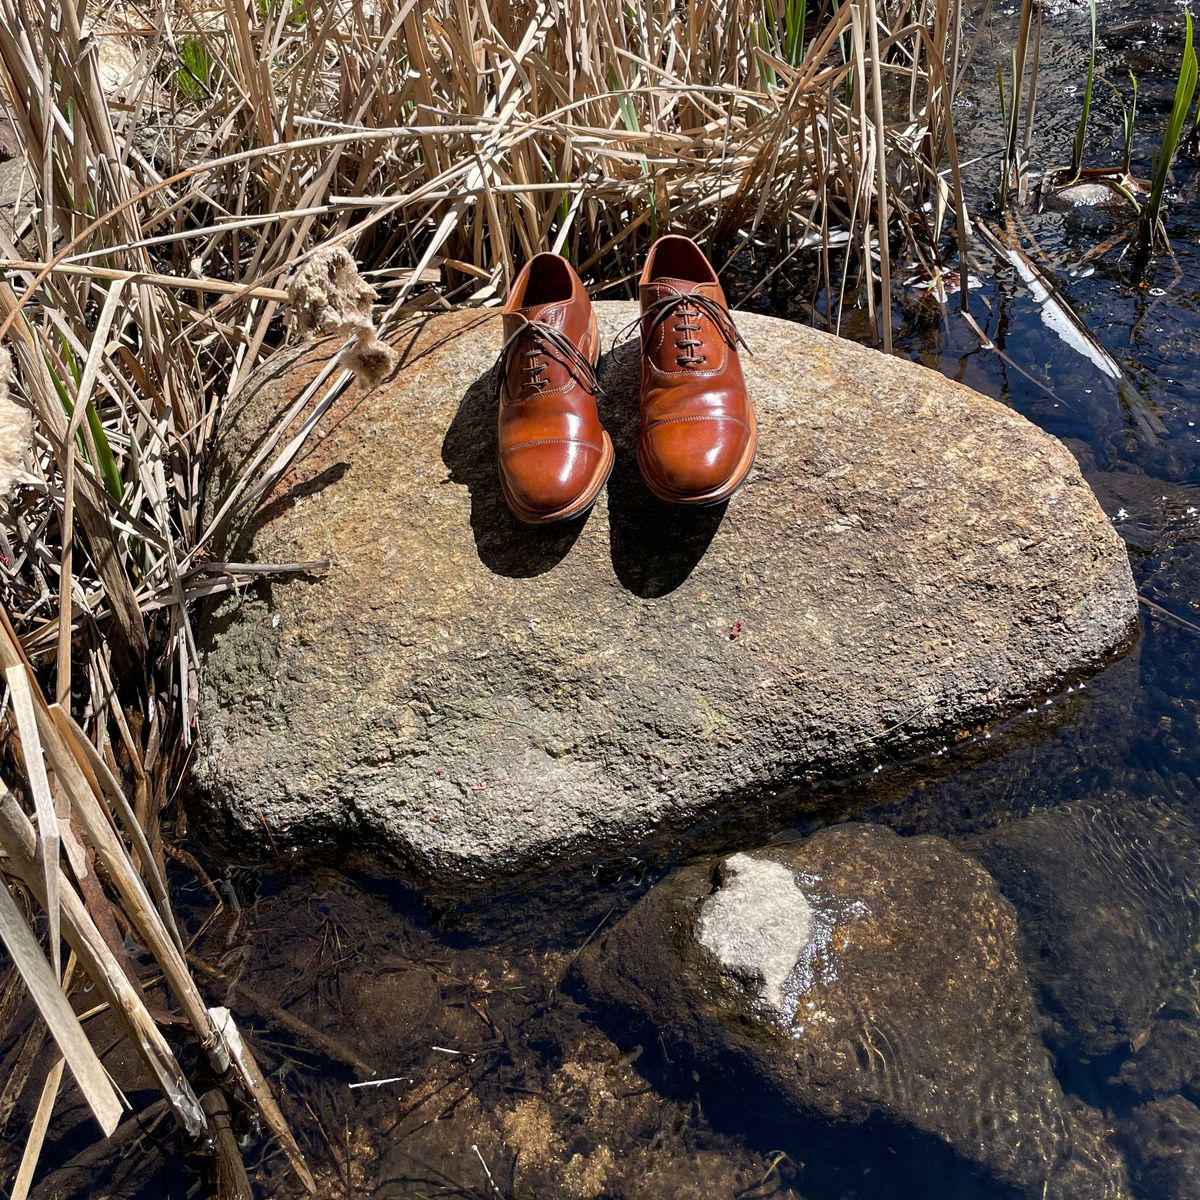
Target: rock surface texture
(467,697)
(905,1009)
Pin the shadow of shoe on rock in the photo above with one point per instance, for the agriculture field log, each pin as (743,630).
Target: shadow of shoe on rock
(506,546)
(655,546)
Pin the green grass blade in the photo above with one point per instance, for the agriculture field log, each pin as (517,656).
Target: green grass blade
(794,18)
(106,461)
(1081,132)
(1128,113)
(195,69)
(624,101)
(630,118)
(1008,116)
(1185,90)
(767,43)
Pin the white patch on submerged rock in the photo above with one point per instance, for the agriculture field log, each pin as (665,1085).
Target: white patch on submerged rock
(757,923)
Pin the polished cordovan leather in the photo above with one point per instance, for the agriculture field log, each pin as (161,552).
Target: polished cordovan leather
(554,456)
(698,431)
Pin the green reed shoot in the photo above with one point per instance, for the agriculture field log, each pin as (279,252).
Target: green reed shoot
(629,117)
(1185,90)
(794,14)
(563,213)
(1128,116)
(195,68)
(767,43)
(1012,162)
(786,42)
(106,461)
(1008,114)
(1081,131)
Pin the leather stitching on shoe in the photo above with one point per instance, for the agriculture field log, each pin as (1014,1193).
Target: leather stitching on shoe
(553,442)
(698,417)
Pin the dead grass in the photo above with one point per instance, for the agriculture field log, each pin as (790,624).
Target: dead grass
(186,160)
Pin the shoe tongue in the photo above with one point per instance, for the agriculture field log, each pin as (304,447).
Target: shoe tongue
(686,287)
(553,314)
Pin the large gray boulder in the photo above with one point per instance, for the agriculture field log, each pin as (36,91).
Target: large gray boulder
(466,697)
(856,979)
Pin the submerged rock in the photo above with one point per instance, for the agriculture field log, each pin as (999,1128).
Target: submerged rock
(1164,1149)
(466,697)
(1167,1062)
(1108,910)
(905,1008)
(1086,194)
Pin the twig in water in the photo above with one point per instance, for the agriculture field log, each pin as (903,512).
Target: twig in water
(269,1009)
(1168,614)
(485,1169)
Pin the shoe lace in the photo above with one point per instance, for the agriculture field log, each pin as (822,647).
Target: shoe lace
(544,341)
(687,308)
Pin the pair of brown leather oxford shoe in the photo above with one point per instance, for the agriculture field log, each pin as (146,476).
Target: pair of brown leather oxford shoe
(697,439)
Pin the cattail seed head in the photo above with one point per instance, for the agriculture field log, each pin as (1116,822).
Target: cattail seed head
(328,296)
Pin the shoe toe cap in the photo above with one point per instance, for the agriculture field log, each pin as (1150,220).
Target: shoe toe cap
(695,456)
(543,478)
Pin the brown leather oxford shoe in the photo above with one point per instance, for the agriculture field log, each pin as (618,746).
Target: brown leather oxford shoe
(554,456)
(698,434)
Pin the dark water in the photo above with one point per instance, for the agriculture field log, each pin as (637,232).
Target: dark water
(500,1084)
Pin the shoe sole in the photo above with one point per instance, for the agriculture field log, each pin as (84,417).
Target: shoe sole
(584,504)
(704,499)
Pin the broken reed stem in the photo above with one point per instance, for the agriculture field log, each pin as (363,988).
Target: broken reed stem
(252,1077)
(18,840)
(37,1130)
(44,988)
(49,731)
(217,287)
